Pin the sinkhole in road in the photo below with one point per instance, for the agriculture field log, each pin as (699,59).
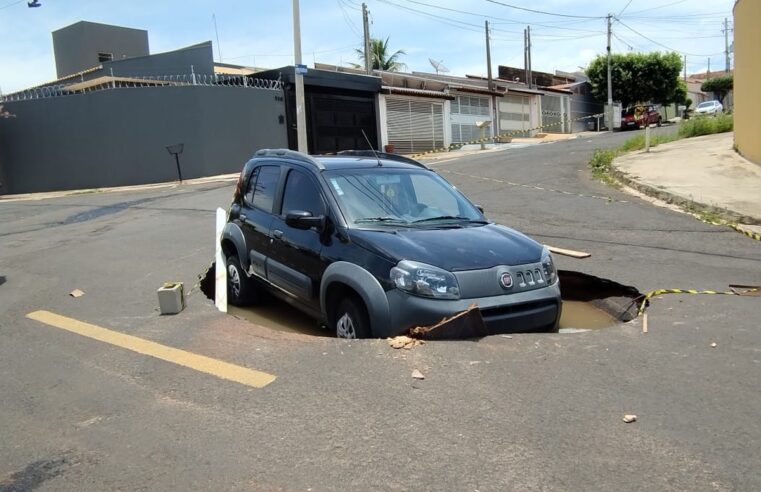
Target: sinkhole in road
(589,303)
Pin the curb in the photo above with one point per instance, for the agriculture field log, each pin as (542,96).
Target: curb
(689,206)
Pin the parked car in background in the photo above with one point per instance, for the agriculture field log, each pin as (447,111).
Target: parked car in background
(709,108)
(640,117)
(375,244)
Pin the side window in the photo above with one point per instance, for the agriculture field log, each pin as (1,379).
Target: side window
(262,187)
(301,193)
(248,198)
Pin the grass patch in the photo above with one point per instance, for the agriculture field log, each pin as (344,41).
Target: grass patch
(602,160)
(601,164)
(706,215)
(638,142)
(706,125)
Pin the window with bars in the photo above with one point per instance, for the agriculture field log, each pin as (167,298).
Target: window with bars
(471,105)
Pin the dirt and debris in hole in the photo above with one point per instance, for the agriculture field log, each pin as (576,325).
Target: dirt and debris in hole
(589,303)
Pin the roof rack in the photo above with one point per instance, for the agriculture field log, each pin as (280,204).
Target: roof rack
(290,154)
(382,155)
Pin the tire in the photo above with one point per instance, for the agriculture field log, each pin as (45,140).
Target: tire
(658,123)
(241,290)
(351,320)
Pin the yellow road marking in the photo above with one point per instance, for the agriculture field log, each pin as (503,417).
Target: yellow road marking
(201,363)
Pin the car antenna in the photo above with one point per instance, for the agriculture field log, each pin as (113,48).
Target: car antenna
(377,157)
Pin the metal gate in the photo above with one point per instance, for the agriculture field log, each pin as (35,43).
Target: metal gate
(336,122)
(514,113)
(414,125)
(554,112)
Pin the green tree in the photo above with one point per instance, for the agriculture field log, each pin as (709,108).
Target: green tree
(720,86)
(381,56)
(639,78)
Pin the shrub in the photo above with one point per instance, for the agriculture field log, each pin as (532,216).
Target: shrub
(706,125)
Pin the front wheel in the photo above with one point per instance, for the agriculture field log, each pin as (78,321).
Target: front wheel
(240,288)
(351,320)
(659,122)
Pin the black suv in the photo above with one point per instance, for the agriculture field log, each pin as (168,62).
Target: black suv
(374,244)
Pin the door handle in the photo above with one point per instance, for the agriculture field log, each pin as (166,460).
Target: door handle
(242,216)
(278,234)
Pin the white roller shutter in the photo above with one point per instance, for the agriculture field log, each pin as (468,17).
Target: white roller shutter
(414,125)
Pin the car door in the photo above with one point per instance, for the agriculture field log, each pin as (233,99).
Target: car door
(295,264)
(256,215)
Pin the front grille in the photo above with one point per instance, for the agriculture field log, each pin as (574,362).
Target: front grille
(512,309)
(529,278)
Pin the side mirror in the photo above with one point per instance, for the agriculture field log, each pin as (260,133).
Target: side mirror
(300,219)
(480,208)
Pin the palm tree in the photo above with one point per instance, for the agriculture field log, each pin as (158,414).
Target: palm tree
(381,59)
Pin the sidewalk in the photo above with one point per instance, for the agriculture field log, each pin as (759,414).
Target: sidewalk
(515,143)
(44,195)
(700,172)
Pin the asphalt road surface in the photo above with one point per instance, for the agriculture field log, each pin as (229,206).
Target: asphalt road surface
(83,409)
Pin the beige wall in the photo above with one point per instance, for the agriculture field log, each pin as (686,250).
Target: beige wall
(747,14)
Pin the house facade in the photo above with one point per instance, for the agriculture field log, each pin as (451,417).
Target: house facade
(110,124)
(747,74)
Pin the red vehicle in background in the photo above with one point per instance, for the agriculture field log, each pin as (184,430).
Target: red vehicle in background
(639,117)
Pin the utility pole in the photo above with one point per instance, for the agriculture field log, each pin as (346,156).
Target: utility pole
(368,55)
(610,82)
(301,119)
(525,57)
(216,32)
(494,128)
(726,45)
(530,71)
(488,55)
(708,70)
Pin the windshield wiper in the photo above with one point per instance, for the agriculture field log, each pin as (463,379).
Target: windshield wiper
(451,217)
(366,220)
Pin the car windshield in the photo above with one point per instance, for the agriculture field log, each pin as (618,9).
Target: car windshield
(707,104)
(399,197)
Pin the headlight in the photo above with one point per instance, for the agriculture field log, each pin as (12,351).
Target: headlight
(425,280)
(549,267)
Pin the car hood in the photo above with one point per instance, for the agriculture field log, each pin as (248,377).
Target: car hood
(453,249)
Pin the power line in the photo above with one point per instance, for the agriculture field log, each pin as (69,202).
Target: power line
(347,18)
(545,13)
(445,20)
(505,21)
(660,7)
(11,4)
(661,44)
(625,7)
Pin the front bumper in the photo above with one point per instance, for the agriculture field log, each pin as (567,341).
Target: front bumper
(534,310)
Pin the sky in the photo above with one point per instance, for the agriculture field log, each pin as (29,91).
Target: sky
(260,32)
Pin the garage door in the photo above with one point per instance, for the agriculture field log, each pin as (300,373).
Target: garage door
(337,122)
(514,113)
(414,125)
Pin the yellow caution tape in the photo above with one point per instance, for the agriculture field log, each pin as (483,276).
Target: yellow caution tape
(734,292)
(750,234)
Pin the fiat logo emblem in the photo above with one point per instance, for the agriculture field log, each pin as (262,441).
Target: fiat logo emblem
(506,280)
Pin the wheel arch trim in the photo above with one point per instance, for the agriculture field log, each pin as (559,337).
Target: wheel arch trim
(368,288)
(233,233)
